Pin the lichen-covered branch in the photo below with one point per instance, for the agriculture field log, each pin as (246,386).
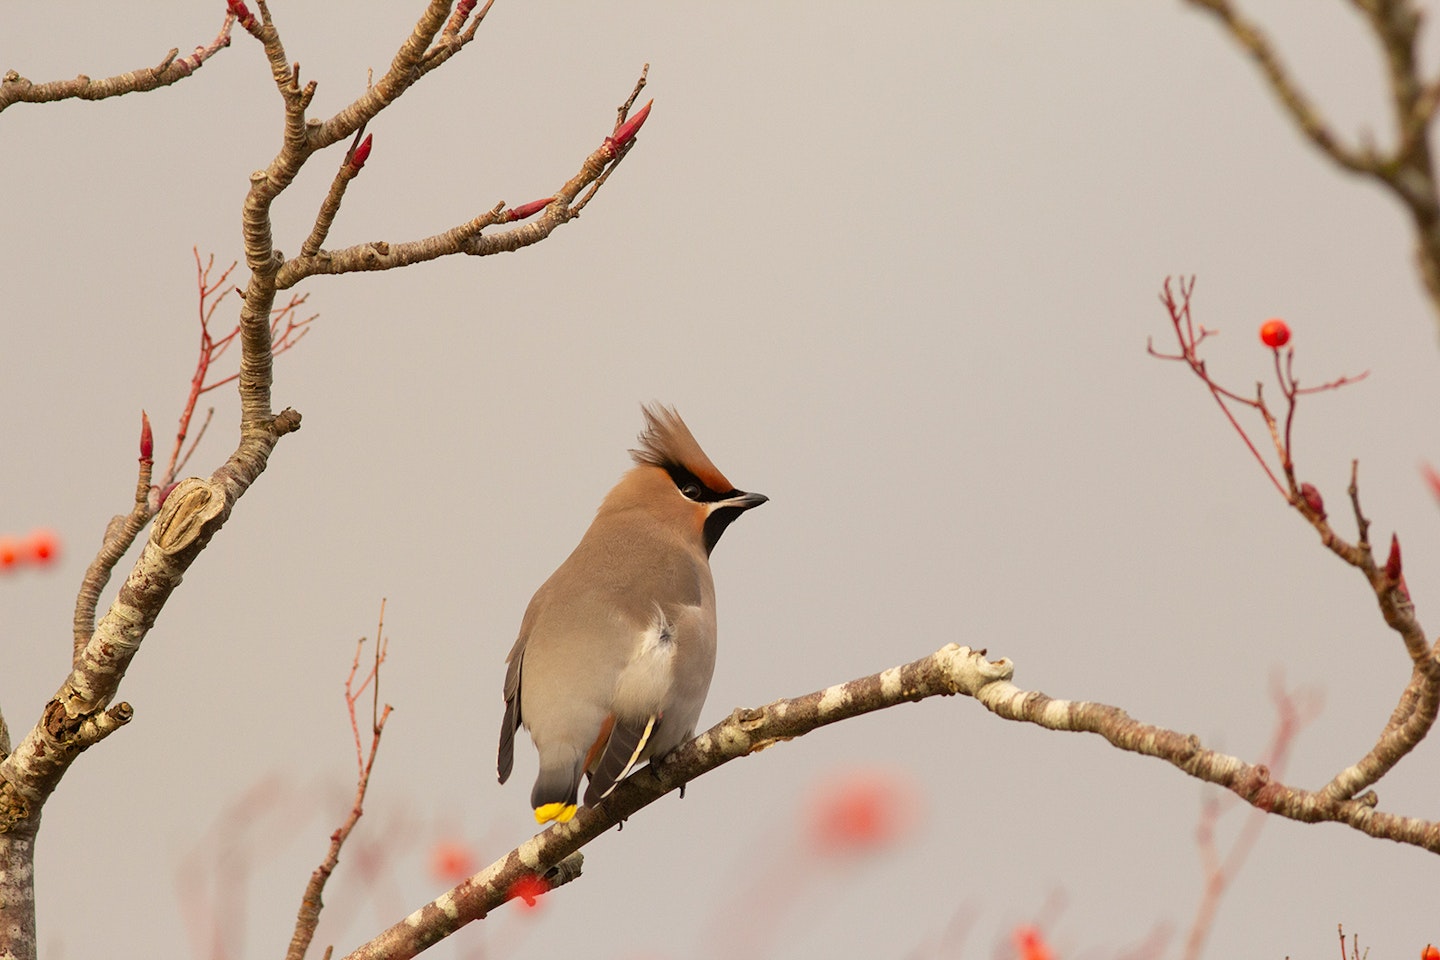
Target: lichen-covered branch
(1406,170)
(948,671)
(173,67)
(1250,782)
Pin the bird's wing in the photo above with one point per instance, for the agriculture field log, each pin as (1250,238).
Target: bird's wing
(622,751)
(505,757)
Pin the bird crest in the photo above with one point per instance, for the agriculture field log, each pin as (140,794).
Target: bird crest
(667,443)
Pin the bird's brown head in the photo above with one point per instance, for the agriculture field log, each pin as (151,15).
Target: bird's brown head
(668,446)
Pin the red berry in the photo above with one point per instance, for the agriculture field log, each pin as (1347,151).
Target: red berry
(528,890)
(9,552)
(451,862)
(43,546)
(1275,333)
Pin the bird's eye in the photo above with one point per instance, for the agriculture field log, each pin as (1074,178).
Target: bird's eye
(691,491)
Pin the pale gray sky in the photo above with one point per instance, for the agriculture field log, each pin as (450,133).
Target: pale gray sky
(896,265)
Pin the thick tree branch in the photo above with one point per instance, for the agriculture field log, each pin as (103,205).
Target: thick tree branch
(1407,169)
(413,60)
(1250,782)
(16,89)
(948,671)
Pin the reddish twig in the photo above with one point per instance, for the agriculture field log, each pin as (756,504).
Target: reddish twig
(212,294)
(311,902)
(1294,713)
(1189,337)
(1419,702)
(1355,953)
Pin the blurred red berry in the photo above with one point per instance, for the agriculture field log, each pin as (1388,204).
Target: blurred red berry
(9,552)
(1432,479)
(1029,945)
(43,546)
(1275,333)
(861,812)
(451,862)
(1430,952)
(528,889)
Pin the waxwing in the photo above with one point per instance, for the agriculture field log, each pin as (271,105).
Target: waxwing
(616,649)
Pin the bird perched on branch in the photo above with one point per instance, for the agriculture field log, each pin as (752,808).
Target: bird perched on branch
(617,648)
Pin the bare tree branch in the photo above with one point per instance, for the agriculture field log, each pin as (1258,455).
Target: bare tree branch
(16,89)
(1406,170)
(80,713)
(946,672)
(465,238)
(1419,702)
(120,534)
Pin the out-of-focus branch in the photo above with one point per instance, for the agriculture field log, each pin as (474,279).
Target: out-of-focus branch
(311,903)
(1406,170)
(16,89)
(1294,713)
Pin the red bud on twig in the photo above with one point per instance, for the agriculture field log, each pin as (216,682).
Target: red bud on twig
(527,209)
(1393,571)
(1312,499)
(242,13)
(147,439)
(626,131)
(462,10)
(361,154)
(1392,563)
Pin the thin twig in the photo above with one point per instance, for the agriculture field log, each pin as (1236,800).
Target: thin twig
(172,68)
(311,903)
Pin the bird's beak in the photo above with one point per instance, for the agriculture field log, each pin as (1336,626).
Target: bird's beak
(742,500)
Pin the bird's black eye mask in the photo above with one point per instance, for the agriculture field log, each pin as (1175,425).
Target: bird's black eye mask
(692,487)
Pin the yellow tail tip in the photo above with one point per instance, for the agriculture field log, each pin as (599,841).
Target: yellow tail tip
(559,812)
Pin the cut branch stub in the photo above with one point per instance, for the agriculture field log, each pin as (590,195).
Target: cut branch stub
(188,516)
